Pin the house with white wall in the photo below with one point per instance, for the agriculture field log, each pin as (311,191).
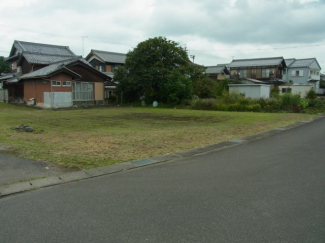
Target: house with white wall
(303,72)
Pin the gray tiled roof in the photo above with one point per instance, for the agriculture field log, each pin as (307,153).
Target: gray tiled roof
(112,57)
(223,65)
(272,61)
(7,76)
(53,68)
(289,61)
(23,46)
(214,69)
(41,58)
(302,62)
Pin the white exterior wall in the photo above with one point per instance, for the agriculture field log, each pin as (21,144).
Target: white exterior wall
(296,89)
(254,91)
(57,99)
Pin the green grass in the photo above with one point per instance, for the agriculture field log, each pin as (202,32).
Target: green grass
(87,138)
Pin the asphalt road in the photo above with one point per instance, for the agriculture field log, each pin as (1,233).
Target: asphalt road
(268,190)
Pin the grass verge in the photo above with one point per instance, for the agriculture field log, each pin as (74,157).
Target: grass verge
(89,138)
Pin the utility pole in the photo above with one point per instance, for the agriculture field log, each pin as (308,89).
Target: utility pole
(193,57)
(82,38)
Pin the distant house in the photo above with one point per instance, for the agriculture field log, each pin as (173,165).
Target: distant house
(303,72)
(51,76)
(255,91)
(219,72)
(106,62)
(268,70)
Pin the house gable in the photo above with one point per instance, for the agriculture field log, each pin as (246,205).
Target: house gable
(315,65)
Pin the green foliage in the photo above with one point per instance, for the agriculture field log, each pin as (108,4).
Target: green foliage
(231,98)
(176,88)
(304,103)
(203,104)
(203,86)
(4,66)
(311,94)
(275,92)
(157,69)
(112,98)
(290,100)
(223,87)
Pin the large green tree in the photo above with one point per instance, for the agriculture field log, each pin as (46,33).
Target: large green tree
(4,66)
(157,69)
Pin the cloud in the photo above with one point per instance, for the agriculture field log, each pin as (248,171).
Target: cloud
(226,28)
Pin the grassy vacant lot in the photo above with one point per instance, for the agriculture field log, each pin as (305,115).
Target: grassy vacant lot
(89,138)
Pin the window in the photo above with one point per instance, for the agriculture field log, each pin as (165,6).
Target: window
(66,83)
(296,73)
(101,68)
(83,91)
(265,73)
(13,66)
(243,73)
(56,83)
(286,90)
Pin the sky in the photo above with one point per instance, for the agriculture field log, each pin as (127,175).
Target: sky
(213,31)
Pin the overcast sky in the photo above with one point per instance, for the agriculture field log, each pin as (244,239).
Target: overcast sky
(214,31)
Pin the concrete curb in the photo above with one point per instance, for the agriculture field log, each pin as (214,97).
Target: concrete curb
(106,170)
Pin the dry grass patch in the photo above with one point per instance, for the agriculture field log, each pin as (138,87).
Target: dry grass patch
(96,137)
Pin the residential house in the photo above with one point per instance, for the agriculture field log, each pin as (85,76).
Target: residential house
(219,72)
(106,62)
(303,72)
(51,76)
(267,70)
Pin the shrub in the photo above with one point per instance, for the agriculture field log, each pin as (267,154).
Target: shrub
(289,100)
(112,98)
(232,97)
(203,104)
(311,94)
(275,92)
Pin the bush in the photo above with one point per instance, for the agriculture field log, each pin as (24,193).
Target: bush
(290,102)
(112,98)
(275,92)
(311,94)
(203,104)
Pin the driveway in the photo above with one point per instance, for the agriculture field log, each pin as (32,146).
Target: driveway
(14,169)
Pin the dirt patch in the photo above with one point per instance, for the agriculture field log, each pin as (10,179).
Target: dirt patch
(164,117)
(5,148)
